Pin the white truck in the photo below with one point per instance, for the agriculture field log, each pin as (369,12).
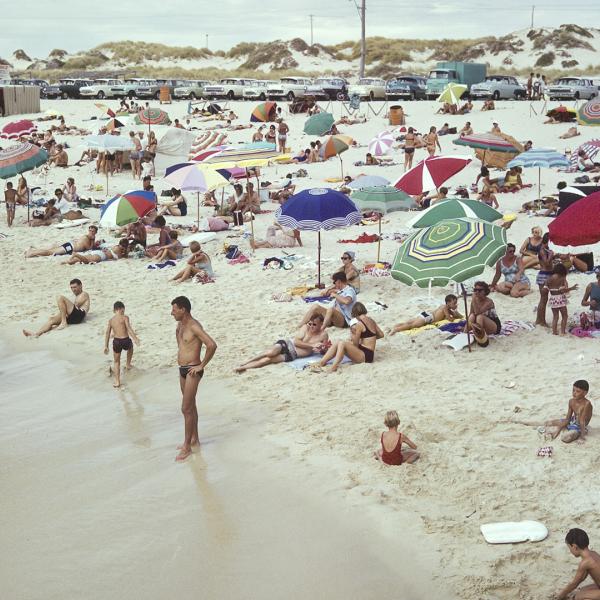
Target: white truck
(100,88)
(290,88)
(230,88)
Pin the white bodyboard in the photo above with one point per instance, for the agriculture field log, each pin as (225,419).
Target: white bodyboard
(514,532)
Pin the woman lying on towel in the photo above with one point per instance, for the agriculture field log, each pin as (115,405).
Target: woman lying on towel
(309,340)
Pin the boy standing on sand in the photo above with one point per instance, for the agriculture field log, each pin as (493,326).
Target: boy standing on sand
(190,337)
(121,329)
(578,543)
(447,311)
(10,197)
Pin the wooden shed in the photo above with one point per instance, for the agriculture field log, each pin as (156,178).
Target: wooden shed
(19,99)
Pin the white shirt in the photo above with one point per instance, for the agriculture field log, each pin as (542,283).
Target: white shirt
(64,205)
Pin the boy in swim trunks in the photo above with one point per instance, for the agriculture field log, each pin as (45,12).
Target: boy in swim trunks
(578,542)
(122,331)
(447,311)
(579,414)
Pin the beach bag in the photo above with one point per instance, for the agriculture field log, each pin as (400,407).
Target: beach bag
(582,179)
(232,252)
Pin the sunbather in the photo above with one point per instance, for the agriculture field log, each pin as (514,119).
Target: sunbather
(95,256)
(278,237)
(447,311)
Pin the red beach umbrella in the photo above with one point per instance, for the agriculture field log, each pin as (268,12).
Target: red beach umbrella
(579,224)
(15,129)
(431,173)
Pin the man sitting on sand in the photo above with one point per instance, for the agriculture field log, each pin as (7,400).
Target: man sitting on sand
(446,312)
(83,244)
(466,130)
(70,313)
(578,542)
(311,339)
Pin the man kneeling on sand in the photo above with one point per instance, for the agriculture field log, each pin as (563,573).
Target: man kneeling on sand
(447,311)
(70,313)
(83,244)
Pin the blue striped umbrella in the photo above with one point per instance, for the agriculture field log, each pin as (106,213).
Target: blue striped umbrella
(316,209)
(542,158)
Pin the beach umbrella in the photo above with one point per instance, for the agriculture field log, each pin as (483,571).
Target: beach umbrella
(365,181)
(263,112)
(486,141)
(334,145)
(20,158)
(579,224)
(234,155)
(451,250)
(589,113)
(15,129)
(383,200)
(319,124)
(546,158)
(127,208)
(152,116)
(381,143)
(571,194)
(257,146)
(316,209)
(104,109)
(454,208)
(431,173)
(452,93)
(114,124)
(590,148)
(108,143)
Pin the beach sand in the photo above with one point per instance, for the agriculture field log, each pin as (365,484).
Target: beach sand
(476,466)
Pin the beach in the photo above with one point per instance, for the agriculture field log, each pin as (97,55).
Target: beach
(477,465)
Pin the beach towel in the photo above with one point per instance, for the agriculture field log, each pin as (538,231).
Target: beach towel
(363,238)
(301,363)
(168,263)
(460,341)
(74,223)
(239,259)
(317,299)
(514,532)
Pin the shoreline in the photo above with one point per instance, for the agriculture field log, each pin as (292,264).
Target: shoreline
(248,492)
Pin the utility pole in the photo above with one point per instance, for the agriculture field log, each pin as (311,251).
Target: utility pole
(311,29)
(363,41)
(207,41)
(532,13)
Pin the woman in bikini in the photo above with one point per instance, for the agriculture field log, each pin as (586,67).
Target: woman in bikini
(364,333)
(432,141)
(531,247)
(409,148)
(483,318)
(516,283)
(391,443)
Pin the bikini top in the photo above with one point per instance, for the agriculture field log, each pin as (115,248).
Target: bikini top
(533,248)
(367,333)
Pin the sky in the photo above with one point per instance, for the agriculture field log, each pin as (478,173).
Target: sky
(75,25)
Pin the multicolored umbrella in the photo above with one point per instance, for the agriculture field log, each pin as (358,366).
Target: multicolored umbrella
(104,109)
(152,116)
(579,224)
(334,146)
(192,176)
(546,158)
(20,158)
(589,113)
(381,143)
(452,250)
(365,181)
(235,155)
(383,200)
(319,124)
(452,93)
(114,124)
(15,129)
(454,208)
(263,112)
(431,173)
(590,148)
(486,141)
(127,208)
(316,209)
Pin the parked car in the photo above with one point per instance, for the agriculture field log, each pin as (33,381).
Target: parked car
(333,88)
(129,87)
(46,90)
(152,90)
(229,88)
(257,90)
(194,89)
(499,87)
(290,88)
(572,88)
(407,87)
(368,88)
(69,88)
(100,88)
(50,92)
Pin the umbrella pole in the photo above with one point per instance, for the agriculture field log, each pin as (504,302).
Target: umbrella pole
(319,284)
(540,184)
(251,212)
(483,157)
(198,209)
(379,240)
(341,166)
(464,295)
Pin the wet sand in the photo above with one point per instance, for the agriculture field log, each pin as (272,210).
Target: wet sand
(95,506)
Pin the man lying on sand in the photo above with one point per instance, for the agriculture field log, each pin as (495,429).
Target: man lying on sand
(446,312)
(83,244)
(340,314)
(70,313)
(311,339)
(578,542)
(95,256)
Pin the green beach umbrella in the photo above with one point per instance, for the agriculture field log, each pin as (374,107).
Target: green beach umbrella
(382,199)
(452,93)
(454,208)
(451,250)
(319,124)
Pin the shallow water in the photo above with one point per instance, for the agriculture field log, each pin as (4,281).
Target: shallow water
(94,506)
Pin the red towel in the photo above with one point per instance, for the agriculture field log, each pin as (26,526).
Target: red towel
(363,238)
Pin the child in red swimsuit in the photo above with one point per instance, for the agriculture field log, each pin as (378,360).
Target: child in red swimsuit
(391,443)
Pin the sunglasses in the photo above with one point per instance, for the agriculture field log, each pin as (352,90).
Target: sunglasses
(478,290)
(345,258)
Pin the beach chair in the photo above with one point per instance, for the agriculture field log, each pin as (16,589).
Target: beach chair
(352,106)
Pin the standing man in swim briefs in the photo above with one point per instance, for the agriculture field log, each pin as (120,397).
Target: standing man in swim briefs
(70,313)
(190,337)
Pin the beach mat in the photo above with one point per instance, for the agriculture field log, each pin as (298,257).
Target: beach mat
(300,363)
(74,223)
(459,341)
(514,532)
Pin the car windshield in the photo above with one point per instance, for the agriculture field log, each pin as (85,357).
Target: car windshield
(440,74)
(369,81)
(568,81)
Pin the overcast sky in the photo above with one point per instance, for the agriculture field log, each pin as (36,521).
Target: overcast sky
(38,26)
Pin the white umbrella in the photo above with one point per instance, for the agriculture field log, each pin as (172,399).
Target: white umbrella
(381,143)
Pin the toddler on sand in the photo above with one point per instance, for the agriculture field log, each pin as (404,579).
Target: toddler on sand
(121,329)
(391,443)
